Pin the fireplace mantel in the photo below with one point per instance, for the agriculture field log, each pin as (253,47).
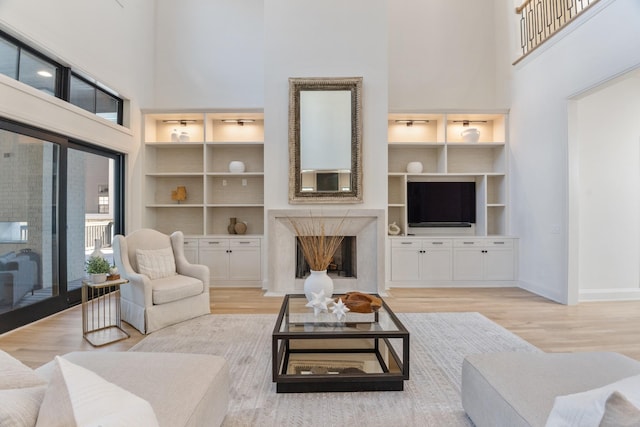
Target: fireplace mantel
(366,224)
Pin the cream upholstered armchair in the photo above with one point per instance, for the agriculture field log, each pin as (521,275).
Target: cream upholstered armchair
(164,288)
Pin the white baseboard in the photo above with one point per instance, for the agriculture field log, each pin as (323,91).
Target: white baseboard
(620,294)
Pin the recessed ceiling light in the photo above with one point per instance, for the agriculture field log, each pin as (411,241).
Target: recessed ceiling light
(44,73)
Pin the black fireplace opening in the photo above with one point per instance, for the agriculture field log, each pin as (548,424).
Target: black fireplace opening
(343,263)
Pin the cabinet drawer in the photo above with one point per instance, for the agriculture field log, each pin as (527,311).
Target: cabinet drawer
(241,243)
(213,243)
(486,243)
(469,243)
(192,243)
(500,243)
(436,243)
(400,243)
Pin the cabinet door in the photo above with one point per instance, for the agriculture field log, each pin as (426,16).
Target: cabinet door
(405,260)
(468,264)
(436,264)
(499,264)
(214,253)
(245,264)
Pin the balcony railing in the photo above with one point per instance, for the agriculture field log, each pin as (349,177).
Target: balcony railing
(540,19)
(102,231)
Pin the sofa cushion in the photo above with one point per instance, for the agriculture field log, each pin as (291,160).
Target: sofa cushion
(156,263)
(190,390)
(19,406)
(518,389)
(174,288)
(586,409)
(78,396)
(15,374)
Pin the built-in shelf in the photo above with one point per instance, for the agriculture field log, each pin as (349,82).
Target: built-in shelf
(193,150)
(437,143)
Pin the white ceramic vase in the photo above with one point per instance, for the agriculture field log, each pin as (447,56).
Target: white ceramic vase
(414,167)
(317,281)
(236,166)
(175,136)
(470,135)
(184,137)
(97,252)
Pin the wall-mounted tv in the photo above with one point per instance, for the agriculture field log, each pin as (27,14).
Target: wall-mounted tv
(441,204)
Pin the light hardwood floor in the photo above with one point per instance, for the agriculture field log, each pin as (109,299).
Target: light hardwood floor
(552,327)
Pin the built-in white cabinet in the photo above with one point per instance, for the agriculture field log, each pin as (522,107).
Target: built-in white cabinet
(481,261)
(421,259)
(191,250)
(200,170)
(436,142)
(232,261)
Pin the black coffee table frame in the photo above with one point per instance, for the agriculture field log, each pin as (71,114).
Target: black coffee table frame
(358,337)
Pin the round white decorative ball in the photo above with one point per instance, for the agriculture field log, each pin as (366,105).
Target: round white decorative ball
(414,167)
(236,166)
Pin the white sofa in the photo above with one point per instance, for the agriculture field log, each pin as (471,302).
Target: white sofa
(520,389)
(181,389)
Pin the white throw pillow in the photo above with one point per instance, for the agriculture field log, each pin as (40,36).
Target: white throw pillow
(619,412)
(19,406)
(15,374)
(587,408)
(78,396)
(156,263)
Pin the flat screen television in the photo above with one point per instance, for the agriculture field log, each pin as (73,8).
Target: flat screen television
(441,204)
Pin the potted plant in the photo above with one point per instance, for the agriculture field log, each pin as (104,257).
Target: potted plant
(98,268)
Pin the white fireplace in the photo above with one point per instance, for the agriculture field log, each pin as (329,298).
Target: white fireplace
(367,225)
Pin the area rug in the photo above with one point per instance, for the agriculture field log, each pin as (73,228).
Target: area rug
(439,343)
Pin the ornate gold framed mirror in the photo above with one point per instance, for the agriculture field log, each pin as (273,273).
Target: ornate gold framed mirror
(325,140)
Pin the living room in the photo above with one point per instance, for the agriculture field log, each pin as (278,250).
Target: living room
(415,57)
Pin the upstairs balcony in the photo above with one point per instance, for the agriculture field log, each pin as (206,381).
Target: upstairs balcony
(541,19)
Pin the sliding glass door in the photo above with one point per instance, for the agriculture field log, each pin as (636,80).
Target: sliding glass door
(58,199)
(92,209)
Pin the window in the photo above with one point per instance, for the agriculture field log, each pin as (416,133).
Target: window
(91,97)
(29,66)
(58,197)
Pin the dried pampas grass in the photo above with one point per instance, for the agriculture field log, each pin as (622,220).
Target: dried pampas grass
(316,242)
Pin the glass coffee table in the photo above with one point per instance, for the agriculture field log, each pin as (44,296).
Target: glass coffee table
(361,352)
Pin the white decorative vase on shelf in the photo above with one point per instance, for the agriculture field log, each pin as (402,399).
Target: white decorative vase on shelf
(175,136)
(414,167)
(97,249)
(236,166)
(318,281)
(184,137)
(470,135)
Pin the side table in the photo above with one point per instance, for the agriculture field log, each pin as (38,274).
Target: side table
(101,316)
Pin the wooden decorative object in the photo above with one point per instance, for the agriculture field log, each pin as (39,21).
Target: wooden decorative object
(179,194)
(359,302)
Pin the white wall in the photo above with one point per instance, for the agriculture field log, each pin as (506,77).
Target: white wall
(448,55)
(331,38)
(607,170)
(604,44)
(209,54)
